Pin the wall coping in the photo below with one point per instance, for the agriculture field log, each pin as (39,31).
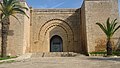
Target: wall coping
(57,10)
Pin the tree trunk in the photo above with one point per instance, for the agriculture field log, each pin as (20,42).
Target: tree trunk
(109,47)
(5,29)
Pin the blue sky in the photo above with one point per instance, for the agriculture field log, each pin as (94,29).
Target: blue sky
(56,3)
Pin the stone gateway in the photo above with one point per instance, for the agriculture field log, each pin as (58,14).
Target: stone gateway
(62,30)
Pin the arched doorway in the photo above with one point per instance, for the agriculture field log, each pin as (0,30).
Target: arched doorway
(56,44)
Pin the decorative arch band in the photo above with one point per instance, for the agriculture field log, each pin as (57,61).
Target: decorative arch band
(55,24)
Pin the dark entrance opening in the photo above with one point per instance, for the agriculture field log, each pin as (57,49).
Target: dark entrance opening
(56,44)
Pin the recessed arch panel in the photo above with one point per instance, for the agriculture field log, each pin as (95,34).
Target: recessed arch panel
(56,27)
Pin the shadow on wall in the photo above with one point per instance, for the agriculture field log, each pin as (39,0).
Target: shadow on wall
(75,21)
(10,33)
(101,44)
(72,35)
(118,45)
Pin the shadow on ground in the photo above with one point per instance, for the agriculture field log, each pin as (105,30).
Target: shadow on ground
(105,59)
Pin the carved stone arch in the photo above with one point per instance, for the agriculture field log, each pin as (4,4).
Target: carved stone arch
(56,27)
(52,20)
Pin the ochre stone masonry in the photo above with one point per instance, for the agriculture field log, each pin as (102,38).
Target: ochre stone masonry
(49,22)
(76,29)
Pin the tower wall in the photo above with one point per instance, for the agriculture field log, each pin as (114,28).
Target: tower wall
(19,34)
(98,11)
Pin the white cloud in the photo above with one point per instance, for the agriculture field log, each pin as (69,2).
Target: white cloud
(58,5)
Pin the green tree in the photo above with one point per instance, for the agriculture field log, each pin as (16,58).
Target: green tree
(109,29)
(8,8)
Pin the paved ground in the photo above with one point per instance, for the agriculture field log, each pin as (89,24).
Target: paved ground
(60,62)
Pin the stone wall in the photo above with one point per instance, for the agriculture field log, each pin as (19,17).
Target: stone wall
(26,28)
(46,23)
(99,11)
(18,37)
(83,33)
(76,27)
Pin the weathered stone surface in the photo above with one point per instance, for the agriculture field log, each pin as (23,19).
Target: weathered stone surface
(76,27)
(99,11)
(49,22)
(18,37)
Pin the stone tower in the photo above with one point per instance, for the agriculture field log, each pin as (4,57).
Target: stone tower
(18,37)
(93,11)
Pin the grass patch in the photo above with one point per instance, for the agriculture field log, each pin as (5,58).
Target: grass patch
(8,57)
(7,61)
(98,52)
(117,53)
